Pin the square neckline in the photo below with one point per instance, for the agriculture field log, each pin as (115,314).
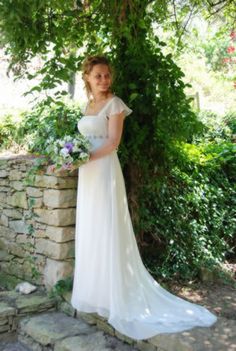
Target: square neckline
(107,103)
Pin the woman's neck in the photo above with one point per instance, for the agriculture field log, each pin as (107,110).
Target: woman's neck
(97,98)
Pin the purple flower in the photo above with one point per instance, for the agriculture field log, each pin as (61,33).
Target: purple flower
(69,147)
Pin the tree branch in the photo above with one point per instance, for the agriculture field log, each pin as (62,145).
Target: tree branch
(175,16)
(217,3)
(186,23)
(213,11)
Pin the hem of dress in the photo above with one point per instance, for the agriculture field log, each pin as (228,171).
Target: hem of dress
(136,324)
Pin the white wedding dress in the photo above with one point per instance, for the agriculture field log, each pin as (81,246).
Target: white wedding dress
(110,277)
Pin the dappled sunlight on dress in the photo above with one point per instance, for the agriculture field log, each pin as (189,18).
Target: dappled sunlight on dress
(110,277)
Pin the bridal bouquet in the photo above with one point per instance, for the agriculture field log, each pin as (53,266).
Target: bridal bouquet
(68,152)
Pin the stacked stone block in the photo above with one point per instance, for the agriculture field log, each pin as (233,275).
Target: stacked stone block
(37,222)
(14,307)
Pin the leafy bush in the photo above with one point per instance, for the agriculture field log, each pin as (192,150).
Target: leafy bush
(52,122)
(218,54)
(192,220)
(230,121)
(192,217)
(8,128)
(216,127)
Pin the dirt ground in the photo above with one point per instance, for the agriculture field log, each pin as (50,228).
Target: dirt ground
(219,298)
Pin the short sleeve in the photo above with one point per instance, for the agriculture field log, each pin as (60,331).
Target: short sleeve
(117,106)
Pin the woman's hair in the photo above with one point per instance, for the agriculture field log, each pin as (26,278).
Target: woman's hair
(88,65)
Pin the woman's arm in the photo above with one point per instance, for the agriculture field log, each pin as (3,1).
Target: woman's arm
(115,129)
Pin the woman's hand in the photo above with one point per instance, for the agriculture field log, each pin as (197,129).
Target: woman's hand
(52,169)
(90,157)
(72,167)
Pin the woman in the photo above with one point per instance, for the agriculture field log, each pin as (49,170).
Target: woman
(109,276)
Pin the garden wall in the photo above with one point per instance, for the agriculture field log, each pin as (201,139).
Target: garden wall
(37,218)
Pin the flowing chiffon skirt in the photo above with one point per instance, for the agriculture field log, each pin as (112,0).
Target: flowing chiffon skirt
(110,277)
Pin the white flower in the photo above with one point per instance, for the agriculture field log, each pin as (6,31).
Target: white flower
(61,143)
(67,138)
(64,152)
(83,155)
(75,149)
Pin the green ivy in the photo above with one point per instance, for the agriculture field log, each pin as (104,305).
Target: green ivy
(61,286)
(192,221)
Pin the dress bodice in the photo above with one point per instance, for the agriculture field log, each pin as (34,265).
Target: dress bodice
(95,127)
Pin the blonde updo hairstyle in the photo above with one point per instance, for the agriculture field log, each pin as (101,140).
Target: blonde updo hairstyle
(87,67)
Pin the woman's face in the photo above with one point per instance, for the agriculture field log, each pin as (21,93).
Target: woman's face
(99,79)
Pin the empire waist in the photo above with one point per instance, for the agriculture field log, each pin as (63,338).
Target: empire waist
(93,136)
(96,141)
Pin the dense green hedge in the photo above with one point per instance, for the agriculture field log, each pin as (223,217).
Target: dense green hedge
(192,218)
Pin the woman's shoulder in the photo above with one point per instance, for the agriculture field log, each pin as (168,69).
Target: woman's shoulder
(116,98)
(117,105)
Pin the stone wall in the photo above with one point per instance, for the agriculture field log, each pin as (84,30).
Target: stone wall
(37,218)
